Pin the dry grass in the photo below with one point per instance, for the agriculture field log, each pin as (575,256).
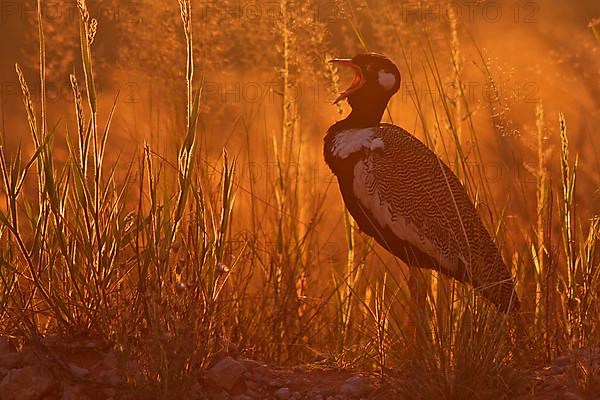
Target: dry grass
(172,268)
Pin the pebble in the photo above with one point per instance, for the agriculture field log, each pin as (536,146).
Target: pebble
(11,360)
(6,346)
(79,371)
(110,377)
(562,361)
(243,397)
(279,382)
(556,370)
(226,373)
(282,393)
(253,394)
(29,356)
(109,393)
(220,396)
(73,392)
(251,385)
(251,364)
(28,383)
(570,396)
(356,386)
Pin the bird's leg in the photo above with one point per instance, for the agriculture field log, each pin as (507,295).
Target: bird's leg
(418,282)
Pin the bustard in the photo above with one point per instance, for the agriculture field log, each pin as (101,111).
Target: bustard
(403,195)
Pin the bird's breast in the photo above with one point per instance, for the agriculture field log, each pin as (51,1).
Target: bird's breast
(344,148)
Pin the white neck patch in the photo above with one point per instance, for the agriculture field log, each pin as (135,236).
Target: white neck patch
(351,141)
(387,80)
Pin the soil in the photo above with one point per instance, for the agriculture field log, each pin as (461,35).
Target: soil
(87,370)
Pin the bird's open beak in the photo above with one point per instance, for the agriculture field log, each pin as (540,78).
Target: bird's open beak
(357,82)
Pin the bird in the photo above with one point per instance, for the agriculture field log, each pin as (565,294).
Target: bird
(403,195)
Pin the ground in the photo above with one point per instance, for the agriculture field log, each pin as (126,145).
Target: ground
(88,370)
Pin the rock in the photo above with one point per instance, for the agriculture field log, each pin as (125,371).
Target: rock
(79,371)
(11,360)
(563,361)
(282,393)
(28,383)
(254,394)
(106,370)
(226,373)
(109,393)
(261,375)
(556,370)
(220,396)
(279,382)
(251,385)
(110,361)
(73,392)
(553,385)
(110,377)
(243,397)
(6,346)
(326,391)
(251,364)
(196,391)
(356,386)
(29,356)
(570,396)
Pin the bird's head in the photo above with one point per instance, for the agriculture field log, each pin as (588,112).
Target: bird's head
(376,79)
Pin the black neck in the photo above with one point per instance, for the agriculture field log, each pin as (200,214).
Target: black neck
(365,113)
